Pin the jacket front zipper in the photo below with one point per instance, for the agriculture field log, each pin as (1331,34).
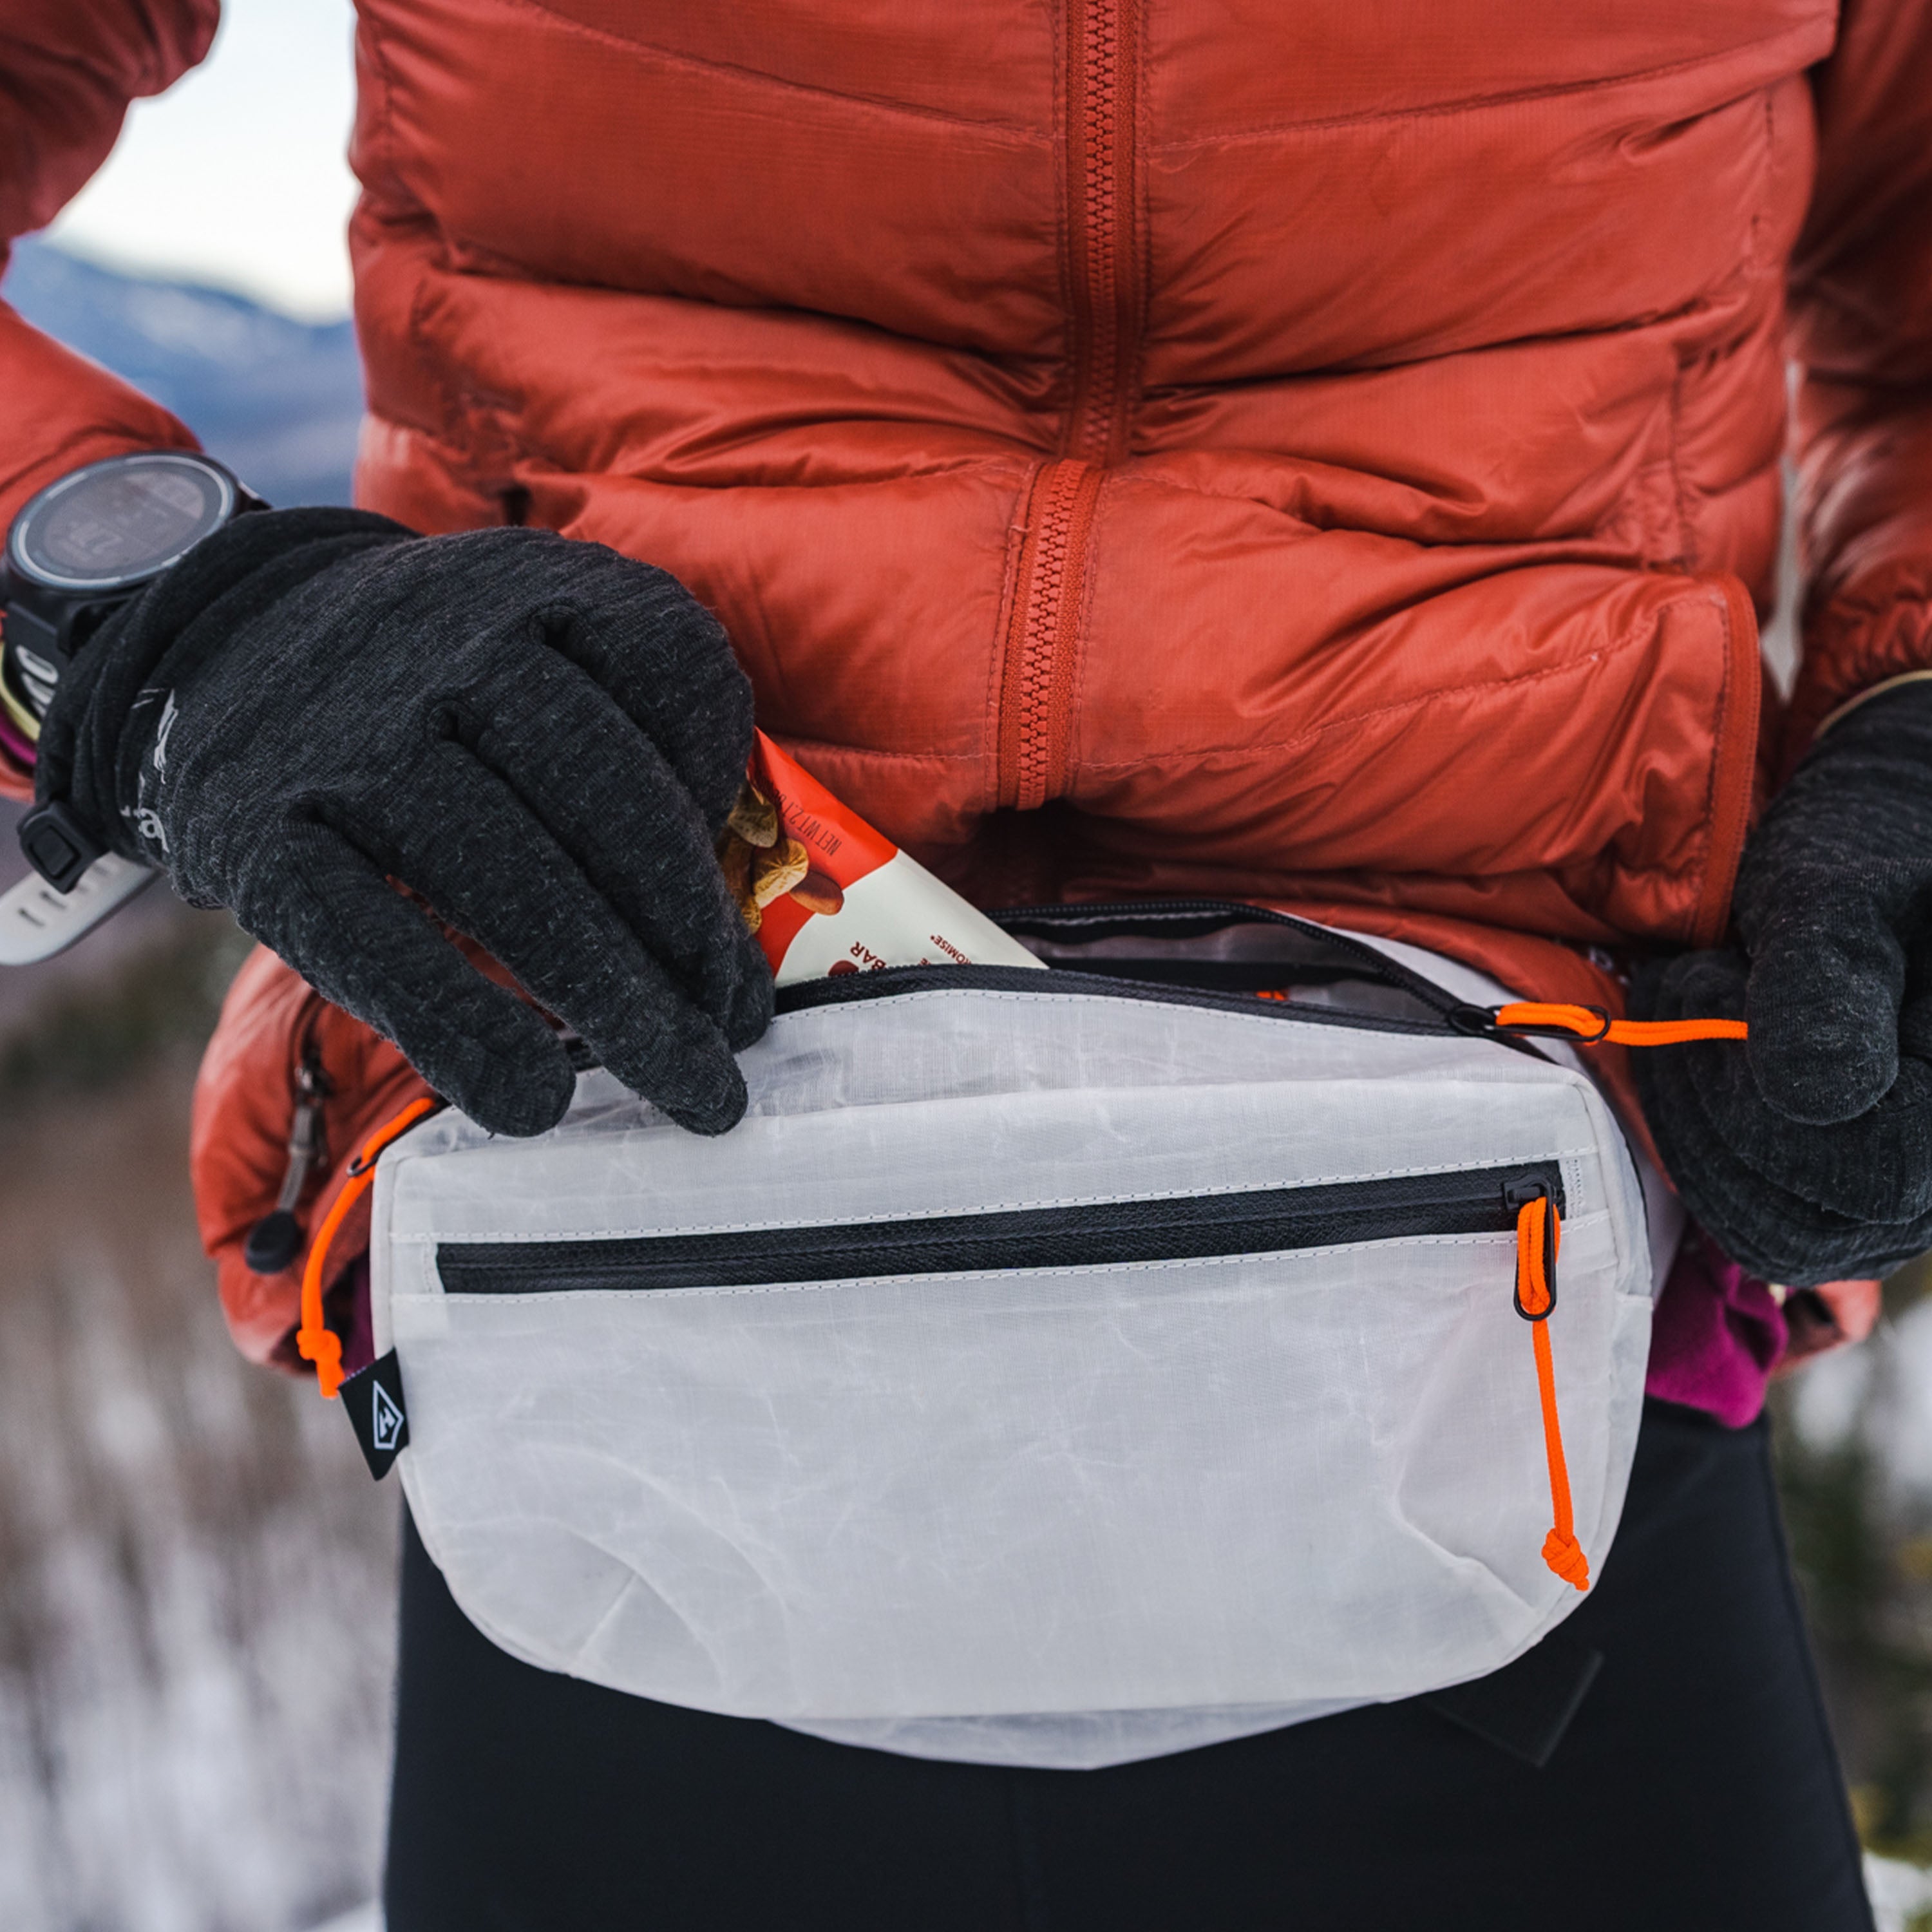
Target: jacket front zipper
(1103,197)
(1043,634)
(1257,1221)
(1104,296)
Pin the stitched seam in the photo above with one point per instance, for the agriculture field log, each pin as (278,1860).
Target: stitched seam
(1065,392)
(1760,221)
(455,456)
(464,465)
(1018,133)
(1711,492)
(1705,842)
(380,54)
(1524,552)
(1582,666)
(1074,675)
(1706,931)
(1478,103)
(1142,216)
(1662,320)
(909,1217)
(544,459)
(1687,537)
(963,466)
(838,745)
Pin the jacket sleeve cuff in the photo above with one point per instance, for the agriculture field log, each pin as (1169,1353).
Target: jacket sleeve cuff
(63,411)
(1864,639)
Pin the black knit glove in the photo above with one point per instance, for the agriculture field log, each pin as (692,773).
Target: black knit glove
(1808,1154)
(539,738)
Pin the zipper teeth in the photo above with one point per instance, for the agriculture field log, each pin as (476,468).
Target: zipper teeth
(1151,912)
(1045,637)
(1043,630)
(895,982)
(1100,151)
(1176,1228)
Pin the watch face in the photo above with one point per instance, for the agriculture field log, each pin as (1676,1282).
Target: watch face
(117,523)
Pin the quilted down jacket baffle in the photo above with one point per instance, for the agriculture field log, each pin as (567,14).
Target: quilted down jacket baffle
(1326,455)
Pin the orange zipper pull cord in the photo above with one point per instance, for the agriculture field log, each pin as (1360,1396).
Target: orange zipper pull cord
(1592,1026)
(315,1342)
(1539,1234)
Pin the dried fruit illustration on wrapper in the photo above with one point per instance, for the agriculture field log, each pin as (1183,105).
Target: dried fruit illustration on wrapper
(827,893)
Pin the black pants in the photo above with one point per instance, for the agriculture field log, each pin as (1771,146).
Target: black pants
(1689,1782)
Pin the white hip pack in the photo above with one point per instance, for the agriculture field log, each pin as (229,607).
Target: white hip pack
(1055,1367)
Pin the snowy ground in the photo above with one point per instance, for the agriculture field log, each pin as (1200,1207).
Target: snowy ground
(197,1577)
(1900,1893)
(195,1638)
(1901,1897)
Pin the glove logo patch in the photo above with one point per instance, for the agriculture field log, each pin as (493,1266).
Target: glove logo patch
(147,825)
(170,713)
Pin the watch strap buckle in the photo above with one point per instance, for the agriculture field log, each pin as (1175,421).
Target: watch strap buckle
(58,845)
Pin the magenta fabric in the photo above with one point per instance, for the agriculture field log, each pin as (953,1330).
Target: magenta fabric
(1716,1335)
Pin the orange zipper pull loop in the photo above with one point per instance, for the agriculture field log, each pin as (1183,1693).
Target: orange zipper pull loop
(315,1342)
(1592,1026)
(1539,1234)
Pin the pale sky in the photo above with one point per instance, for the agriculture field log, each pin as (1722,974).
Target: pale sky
(236,176)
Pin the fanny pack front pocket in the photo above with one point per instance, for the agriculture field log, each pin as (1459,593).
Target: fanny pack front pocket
(1040,1343)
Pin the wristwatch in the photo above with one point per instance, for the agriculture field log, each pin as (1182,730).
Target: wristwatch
(86,544)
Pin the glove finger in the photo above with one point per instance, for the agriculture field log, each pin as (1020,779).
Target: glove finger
(1823,1004)
(561,747)
(1796,1203)
(328,911)
(636,631)
(495,874)
(1914,1013)
(1778,1235)
(666,661)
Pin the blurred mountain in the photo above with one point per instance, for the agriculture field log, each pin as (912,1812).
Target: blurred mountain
(276,399)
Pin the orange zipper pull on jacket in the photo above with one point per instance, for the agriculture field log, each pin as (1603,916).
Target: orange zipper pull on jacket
(315,1342)
(1539,1233)
(1591,1026)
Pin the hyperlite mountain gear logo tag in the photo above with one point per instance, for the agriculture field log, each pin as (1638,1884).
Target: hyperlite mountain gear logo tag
(373,1397)
(385,1421)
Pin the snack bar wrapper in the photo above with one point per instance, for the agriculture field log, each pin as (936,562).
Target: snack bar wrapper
(826,893)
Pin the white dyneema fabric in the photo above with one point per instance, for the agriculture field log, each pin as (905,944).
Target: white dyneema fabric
(1060,1516)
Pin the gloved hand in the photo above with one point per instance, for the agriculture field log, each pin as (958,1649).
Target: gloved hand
(538,737)
(1807,1155)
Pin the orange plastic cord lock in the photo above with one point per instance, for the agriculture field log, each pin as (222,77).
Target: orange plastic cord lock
(314,1341)
(1592,1026)
(1539,1234)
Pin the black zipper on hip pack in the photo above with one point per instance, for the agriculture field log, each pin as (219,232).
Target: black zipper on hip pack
(1196,1227)
(1327,957)
(895,982)
(1217,986)
(1321,954)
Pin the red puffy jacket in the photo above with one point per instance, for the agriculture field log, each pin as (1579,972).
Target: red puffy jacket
(1324,455)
